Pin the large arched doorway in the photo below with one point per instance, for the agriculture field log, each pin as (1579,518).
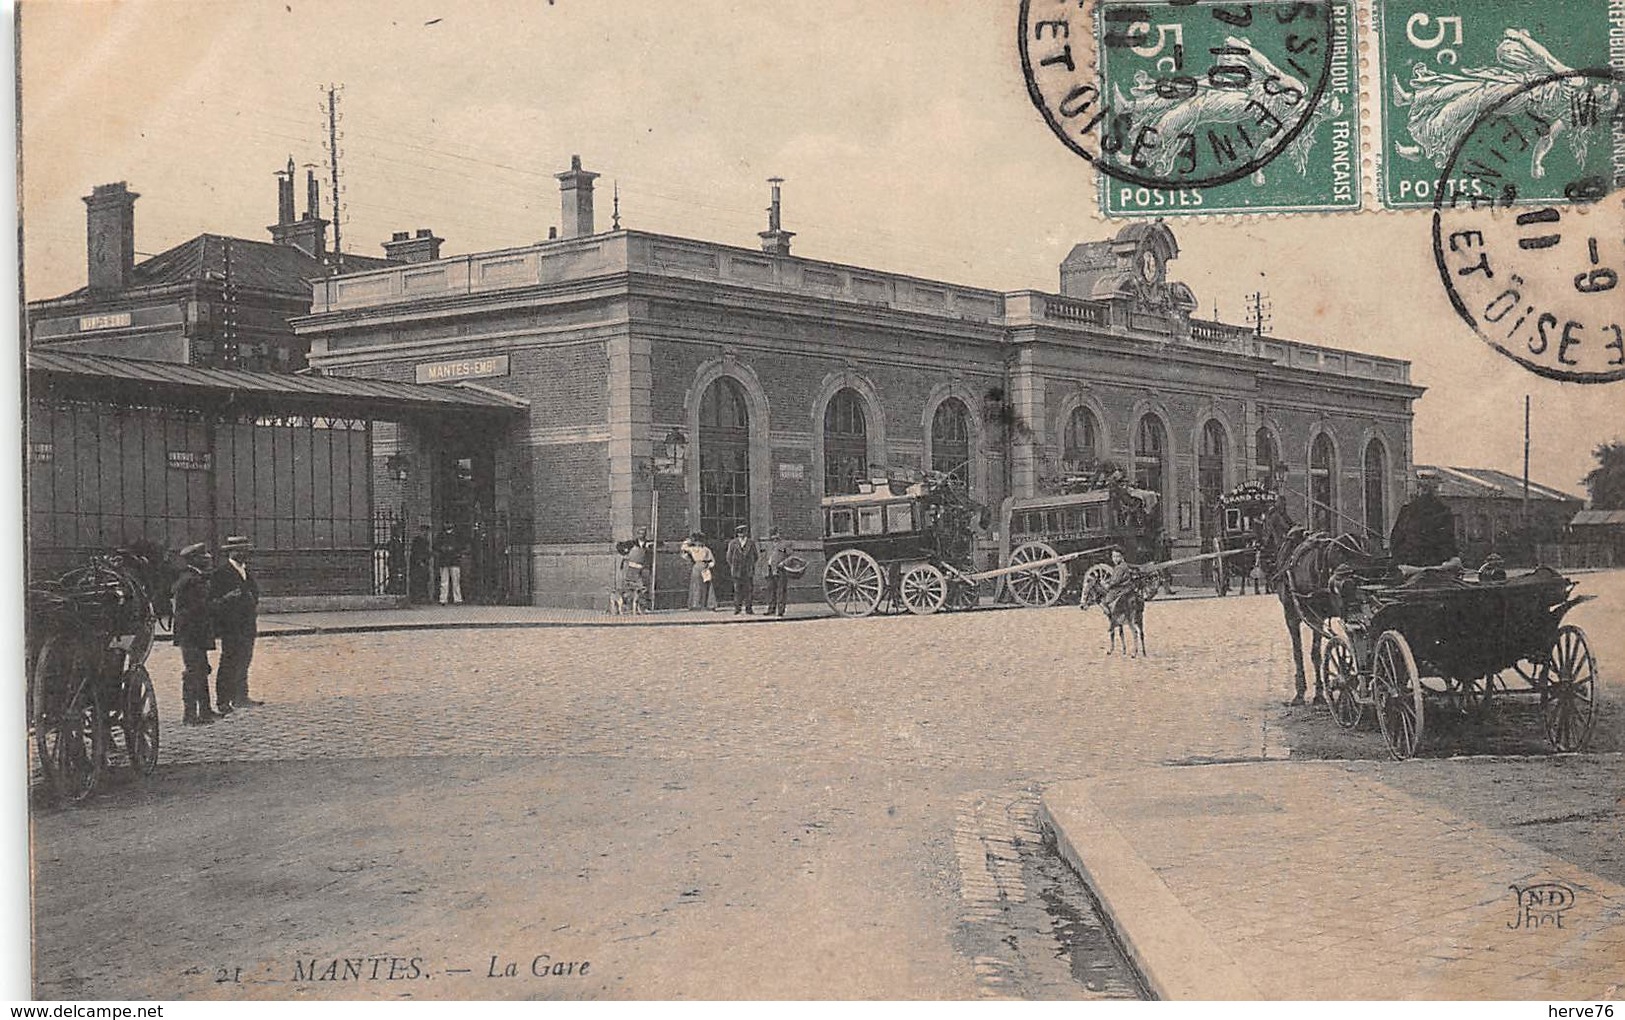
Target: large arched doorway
(1266,457)
(1080,443)
(950,440)
(724,460)
(1151,460)
(846,443)
(1376,488)
(1210,487)
(1323,484)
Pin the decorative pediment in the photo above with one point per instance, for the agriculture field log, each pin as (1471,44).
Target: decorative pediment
(1131,267)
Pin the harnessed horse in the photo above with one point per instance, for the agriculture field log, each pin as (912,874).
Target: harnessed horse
(1308,572)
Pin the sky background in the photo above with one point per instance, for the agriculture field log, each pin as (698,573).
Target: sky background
(903,129)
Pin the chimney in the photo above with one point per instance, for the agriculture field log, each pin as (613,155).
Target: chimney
(110,236)
(313,196)
(575,192)
(284,195)
(309,233)
(775,239)
(406,247)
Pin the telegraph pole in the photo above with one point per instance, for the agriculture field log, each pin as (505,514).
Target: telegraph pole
(1258,310)
(333,156)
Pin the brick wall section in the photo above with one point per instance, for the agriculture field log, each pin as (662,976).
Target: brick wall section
(571,492)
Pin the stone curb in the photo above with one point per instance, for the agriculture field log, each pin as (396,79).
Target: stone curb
(1170,948)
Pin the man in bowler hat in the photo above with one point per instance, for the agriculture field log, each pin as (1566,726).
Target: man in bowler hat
(742,555)
(234,597)
(193,632)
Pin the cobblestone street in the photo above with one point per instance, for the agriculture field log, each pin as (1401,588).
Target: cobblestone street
(822,808)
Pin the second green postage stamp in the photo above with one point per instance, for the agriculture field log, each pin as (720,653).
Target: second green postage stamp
(1445,64)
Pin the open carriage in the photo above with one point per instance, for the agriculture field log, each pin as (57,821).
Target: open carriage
(1241,522)
(1443,640)
(89,634)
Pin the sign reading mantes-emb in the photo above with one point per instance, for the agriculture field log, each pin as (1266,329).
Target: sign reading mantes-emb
(462,368)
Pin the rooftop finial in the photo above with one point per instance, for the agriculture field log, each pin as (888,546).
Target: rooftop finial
(615,214)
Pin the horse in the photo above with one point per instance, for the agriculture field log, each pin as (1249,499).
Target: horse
(1125,614)
(1309,572)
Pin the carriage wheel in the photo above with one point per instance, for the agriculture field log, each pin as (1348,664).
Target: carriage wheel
(923,589)
(1399,694)
(1568,699)
(1098,572)
(1040,586)
(141,721)
(68,732)
(1342,671)
(853,583)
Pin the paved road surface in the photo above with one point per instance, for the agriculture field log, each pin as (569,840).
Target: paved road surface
(825,808)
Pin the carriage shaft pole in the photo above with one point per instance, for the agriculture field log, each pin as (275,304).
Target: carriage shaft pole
(1021,568)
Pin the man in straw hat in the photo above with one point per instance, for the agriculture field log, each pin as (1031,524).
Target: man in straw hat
(234,597)
(194,632)
(778,582)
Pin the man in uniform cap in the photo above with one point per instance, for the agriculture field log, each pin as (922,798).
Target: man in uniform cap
(234,597)
(193,632)
(742,555)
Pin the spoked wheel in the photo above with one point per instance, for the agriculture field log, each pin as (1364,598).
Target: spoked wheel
(853,583)
(68,732)
(1568,698)
(1098,573)
(141,721)
(923,589)
(1398,694)
(962,594)
(1040,586)
(1342,671)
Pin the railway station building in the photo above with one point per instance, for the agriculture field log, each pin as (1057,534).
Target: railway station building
(696,386)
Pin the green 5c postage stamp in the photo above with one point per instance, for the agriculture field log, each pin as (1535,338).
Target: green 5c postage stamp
(1267,93)
(1444,65)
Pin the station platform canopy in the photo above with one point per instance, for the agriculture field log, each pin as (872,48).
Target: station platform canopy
(158,383)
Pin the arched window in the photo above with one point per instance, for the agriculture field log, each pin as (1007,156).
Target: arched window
(1080,444)
(1210,475)
(950,440)
(846,443)
(1150,453)
(724,459)
(1323,484)
(1266,455)
(1376,478)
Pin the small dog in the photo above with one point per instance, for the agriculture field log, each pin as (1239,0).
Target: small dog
(626,601)
(1125,615)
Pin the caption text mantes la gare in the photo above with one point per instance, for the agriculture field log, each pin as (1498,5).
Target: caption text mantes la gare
(413,968)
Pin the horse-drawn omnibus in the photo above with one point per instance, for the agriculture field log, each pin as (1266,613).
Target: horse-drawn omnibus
(1078,525)
(1240,538)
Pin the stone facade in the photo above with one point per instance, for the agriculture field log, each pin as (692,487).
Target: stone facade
(615,339)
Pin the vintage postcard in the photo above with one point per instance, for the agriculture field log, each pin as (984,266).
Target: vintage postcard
(1020,501)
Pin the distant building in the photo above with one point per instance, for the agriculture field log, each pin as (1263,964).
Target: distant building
(212,301)
(1489,510)
(736,385)
(1602,533)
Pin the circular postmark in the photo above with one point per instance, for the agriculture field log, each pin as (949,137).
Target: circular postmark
(1529,225)
(1182,93)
